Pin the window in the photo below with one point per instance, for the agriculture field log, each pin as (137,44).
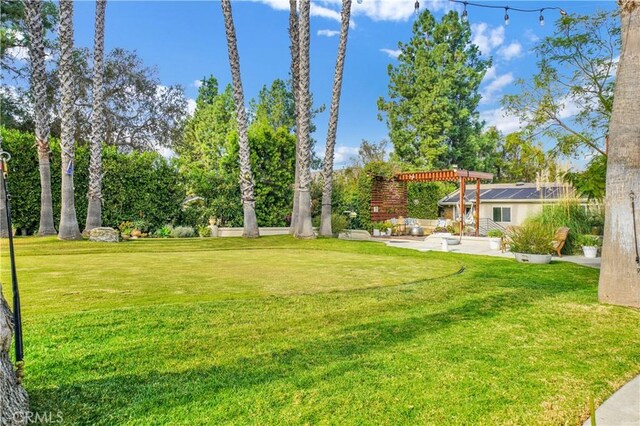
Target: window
(502,214)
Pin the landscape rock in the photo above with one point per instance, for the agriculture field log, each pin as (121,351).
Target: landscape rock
(104,235)
(355,235)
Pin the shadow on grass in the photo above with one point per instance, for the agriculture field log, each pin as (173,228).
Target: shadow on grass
(120,396)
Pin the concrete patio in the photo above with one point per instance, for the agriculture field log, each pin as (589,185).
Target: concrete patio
(471,245)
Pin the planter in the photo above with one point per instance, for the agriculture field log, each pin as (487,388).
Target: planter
(376,232)
(215,231)
(136,233)
(495,243)
(442,234)
(452,241)
(538,259)
(590,252)
(417,231)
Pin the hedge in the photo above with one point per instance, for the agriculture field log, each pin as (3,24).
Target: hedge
(135,186)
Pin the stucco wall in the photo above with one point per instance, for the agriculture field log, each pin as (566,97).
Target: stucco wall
(519,211)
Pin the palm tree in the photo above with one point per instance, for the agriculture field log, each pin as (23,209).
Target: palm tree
(94,209)
(295,80)
(246,176)
(327,171)
(68,229)
(305,228)
(620,273)
(35,29)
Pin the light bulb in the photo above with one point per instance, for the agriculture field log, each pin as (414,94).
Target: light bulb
(417,6)
(541,20)
(465,16)
(359,1)
(506,19)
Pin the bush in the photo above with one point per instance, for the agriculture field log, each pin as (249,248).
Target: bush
(495,233)
(589,240)
(163,232)
(204,230)
(126,227)
(566,213)
(424,196)
(532,238)
(339,223)
(182,232)
(136,186)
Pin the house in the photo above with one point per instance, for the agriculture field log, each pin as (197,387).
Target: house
(506,204)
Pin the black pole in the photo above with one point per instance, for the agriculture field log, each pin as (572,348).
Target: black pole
(17,318)
(635,232)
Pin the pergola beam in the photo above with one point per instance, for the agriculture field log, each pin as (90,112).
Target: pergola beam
(442,176)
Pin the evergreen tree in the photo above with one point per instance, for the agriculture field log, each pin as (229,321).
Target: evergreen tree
(433,95)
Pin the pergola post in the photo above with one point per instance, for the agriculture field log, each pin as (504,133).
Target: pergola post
(477,213)
(462,206)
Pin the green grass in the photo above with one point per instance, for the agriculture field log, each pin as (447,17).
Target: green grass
(279,331)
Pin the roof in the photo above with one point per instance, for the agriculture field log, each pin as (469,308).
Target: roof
(509,192)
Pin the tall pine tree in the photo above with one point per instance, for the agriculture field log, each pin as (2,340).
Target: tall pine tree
(433,95)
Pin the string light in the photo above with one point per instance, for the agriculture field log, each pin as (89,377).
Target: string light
(417,6)
(465,15)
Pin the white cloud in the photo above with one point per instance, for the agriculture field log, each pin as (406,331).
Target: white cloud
(328,33)
(503,122)
(191,106)
(18,53)
(167,153)
(392,53)
(531,36)
(569,108)
(492,89)
(513,50)
(486,38)
(490,74)
(197,83)
(344,153)
(376,10)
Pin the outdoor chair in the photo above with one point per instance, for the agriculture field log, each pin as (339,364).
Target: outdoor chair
(559,239)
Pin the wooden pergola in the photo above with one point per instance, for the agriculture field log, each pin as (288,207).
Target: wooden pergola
(455,175)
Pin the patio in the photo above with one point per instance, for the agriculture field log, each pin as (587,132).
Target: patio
(471,245)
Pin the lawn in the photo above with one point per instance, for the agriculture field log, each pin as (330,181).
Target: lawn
(280,331)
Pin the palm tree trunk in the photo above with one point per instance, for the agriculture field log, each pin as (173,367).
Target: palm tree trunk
(327,172)
(305,228)
(94,195)
(246,176)
(14,403)
(68,229)
(295,81)
(620,273)
(33,15)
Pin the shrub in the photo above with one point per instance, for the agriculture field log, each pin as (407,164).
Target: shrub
(532,238)
(163,232)
(424,196)
(126,227)
(589,240)
(204,230)
(566,213)
(141,225)
(338,223)
(495,233)
(182,232)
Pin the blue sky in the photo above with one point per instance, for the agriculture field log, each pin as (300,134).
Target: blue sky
(186,41)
